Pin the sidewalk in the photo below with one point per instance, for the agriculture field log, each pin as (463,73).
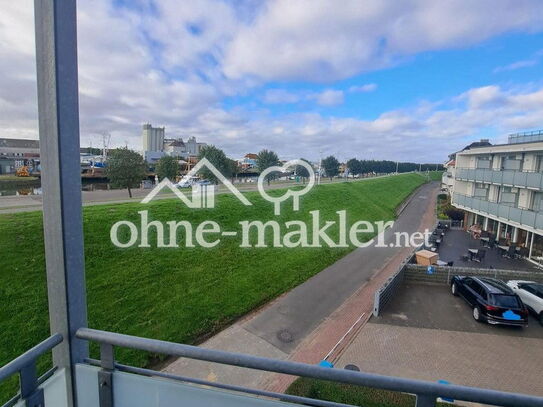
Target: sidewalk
(306,323)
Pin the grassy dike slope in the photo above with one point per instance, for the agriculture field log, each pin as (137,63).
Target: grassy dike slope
(176,294)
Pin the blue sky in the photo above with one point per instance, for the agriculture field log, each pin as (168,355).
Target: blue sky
(373,79)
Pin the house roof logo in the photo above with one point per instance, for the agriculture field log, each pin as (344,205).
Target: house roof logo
(203,196)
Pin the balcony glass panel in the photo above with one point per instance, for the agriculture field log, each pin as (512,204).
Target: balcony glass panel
(519,178)
(507,177)
(131,390)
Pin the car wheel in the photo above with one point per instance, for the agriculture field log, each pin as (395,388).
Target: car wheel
(454,289)
(477,314)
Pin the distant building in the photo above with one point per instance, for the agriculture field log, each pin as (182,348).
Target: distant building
(500,188)
(447,179)
(248,162)
(156,146)
(12,147)
(153,138)
(15,153)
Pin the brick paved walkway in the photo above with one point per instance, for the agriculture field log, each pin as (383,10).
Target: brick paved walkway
(498,362)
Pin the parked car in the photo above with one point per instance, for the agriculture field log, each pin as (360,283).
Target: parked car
(185,183)
(531,294)
(204,182)
(491,300)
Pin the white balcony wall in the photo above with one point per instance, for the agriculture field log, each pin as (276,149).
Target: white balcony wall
(530,161)
(131,390)
(524,198)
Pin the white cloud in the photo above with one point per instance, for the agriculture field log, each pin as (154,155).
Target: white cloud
(525,63)
(274,96)
(330,97)
(317,40)
(174,66)
(369,87)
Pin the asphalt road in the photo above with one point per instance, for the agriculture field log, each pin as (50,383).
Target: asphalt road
(434,307)
(27,203)
(291,318)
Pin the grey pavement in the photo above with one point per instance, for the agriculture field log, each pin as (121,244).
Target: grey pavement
(426,333)
(278,328)
(288,321)
(434,307)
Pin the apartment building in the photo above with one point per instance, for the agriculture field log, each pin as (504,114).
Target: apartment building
(501,189)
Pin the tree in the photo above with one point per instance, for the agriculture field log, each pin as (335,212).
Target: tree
(331,166)
(266,159)
(355,167)
(234,168)
(219,160)
(302,171)
(167,167)
(125,169)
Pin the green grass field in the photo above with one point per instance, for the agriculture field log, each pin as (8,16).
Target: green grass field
(351,394)
(435,175)
(176,294)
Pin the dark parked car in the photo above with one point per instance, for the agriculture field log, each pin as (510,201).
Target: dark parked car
(492,300)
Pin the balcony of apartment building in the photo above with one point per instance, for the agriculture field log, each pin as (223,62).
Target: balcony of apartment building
(77,380)
(509,170)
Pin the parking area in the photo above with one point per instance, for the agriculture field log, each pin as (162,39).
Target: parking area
(427,333)
(432,306)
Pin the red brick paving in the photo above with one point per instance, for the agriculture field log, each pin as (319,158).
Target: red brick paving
(315,347)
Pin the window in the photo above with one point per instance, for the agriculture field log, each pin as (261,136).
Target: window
(483,162)
(481,191)
(509,196)
(504,300)
(511,162)
(537,202)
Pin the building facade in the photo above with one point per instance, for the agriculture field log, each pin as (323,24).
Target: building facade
(156,146)
(501,189)
(447,179)
(153,138)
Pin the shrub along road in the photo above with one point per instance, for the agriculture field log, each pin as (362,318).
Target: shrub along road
(176,294)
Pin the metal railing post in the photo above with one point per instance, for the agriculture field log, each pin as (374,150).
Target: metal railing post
(425,401)
(32,396)
(105,375)
(58,108)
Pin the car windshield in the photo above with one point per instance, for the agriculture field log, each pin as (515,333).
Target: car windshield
(504,300)
(537,290)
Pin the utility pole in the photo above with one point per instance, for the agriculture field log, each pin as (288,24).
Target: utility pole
(320,167)
(397,165)
(420,167)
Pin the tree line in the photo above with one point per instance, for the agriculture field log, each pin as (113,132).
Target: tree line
(127,168)
(357,167)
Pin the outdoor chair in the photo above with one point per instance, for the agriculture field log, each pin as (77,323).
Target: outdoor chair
(480,256)
(511,252)
(524,252)
(465,257)
(450,263)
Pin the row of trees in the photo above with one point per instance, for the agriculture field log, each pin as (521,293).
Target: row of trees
(126,168)
(356,167)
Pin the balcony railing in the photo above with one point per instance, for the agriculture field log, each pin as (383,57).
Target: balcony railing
(105,383)
(521,179)
(523,217)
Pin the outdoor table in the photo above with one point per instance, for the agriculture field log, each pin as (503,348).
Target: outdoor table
(504,249)
(485,239)
(472,252)
(441,263)
(438,241)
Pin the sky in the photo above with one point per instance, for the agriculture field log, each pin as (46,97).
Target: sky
(377,79)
